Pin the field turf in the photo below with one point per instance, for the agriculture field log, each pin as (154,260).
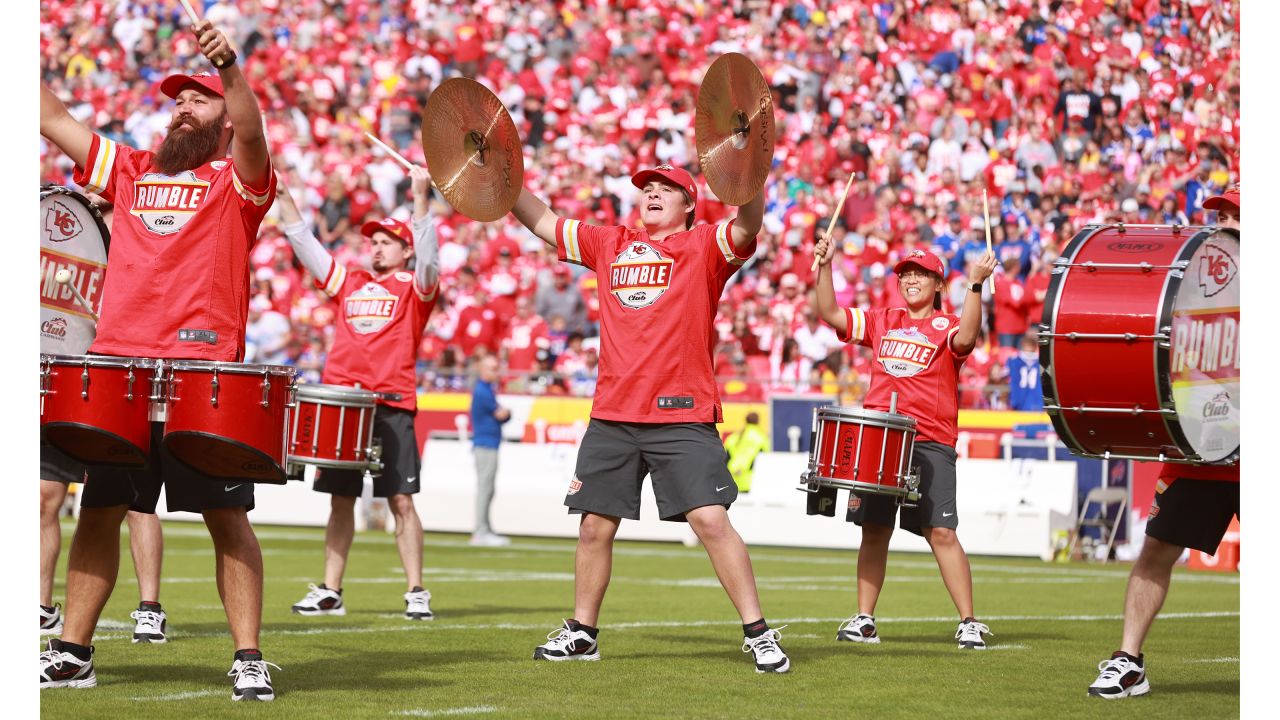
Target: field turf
(670,643)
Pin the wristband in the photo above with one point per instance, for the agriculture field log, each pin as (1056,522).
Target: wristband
(227,61)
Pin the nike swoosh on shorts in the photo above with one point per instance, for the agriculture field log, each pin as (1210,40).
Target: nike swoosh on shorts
(229,488)
(726,487)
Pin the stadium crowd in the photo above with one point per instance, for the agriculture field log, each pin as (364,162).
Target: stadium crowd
(1067,112)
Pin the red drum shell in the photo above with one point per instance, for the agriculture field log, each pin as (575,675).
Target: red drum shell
(90,410)
(1132,394)
(871,450)
(241,435)
(333,427)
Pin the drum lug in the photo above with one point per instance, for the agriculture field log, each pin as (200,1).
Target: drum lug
(46,371)
(84,381)
(266,388)
(128,394)
(214,385)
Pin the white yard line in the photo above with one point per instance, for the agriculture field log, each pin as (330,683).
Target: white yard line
(179,696)
(448,712)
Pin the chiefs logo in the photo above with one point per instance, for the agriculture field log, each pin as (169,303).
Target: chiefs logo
(639,276)
(1217,270)
(61,223)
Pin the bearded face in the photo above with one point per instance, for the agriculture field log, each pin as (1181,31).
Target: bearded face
(189,143)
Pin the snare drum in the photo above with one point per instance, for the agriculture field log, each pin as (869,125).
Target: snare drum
(230,420)
(1140,344)
(865,451)
(96,408)
(333,427)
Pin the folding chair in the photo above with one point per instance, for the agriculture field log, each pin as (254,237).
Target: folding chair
(1104,497)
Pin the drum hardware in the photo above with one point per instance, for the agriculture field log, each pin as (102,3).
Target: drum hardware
(1092,266)
(1135,410)
(266,389)
(1129,337)
(734,128)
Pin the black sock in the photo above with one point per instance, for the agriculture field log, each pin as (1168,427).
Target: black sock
(1121,653)
(417,588)
(755,629)
(48,608)
(80,651)
(326,587)
(248,654)
(148,605)
(590,631)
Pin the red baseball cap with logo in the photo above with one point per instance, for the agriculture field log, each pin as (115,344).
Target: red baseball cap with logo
(674,175)
(391,226)
(1229,200)
(928,261)
(173,84)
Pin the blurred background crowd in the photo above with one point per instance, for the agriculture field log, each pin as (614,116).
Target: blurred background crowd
(1067,112)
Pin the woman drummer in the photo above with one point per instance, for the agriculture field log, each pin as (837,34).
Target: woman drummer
(918,350)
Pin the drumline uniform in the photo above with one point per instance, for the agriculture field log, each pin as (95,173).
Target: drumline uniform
(381,320)
(178,288)
(656,401)
(913,357)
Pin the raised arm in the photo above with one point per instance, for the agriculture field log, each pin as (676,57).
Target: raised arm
(747,225)
(535,215)
(426,246)
(249,144)
(971,315)
(59,128)
(825,296)
(305,246)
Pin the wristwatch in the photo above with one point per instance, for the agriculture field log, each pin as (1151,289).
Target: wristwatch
(976,287)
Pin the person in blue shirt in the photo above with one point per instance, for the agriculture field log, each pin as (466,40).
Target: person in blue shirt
(1015,246)
(947,243)
(1024,376)
(487,417)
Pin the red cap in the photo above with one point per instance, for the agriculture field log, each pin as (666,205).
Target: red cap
(173,84)
(391,226)
(927,260)
(1229,200)
(673,175)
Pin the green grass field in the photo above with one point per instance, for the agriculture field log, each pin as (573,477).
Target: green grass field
(670,640)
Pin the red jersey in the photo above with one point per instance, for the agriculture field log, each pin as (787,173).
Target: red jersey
(179,258)
(379,328)
(525,337)
(913,357)
(658,299)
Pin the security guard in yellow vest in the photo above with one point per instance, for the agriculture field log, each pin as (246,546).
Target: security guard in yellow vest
(743,447)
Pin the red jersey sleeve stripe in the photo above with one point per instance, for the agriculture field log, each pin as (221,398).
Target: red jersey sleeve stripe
(249,193)
(429,295)
(732,255)
(337,278)
(855,324)
(100,164)
(952,336)
(567,238)
(726,247)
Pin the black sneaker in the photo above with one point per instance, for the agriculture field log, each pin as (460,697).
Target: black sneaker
(567,644)
(62,669)
(151,624)
(1120,677)
(320,600)
(252,680)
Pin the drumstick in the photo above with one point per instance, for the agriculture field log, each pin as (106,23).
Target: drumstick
(986,215)
(832,225)
(397,156)
(191,12)
(63,277)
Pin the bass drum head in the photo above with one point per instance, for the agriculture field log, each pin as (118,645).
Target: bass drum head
(1204,356)
(72,236)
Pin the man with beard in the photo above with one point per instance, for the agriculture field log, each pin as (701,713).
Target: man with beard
(382,315)
(178,288)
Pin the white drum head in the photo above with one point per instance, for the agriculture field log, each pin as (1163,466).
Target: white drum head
(72,236)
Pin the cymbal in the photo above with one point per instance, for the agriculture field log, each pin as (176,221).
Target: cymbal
(734,128)
(473,149)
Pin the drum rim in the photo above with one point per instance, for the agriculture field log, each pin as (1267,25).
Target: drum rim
(232,368)
(120,361)
(329,391)
(896,421)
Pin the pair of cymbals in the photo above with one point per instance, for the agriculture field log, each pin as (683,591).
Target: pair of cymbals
(734,128)
(473,149)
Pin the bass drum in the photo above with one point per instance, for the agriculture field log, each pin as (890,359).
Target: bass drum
(74,236)
(1140,344)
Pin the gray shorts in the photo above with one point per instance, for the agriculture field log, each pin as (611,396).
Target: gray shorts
(57,466)
(185,490)
(687,462)
(401,461)
(937,508)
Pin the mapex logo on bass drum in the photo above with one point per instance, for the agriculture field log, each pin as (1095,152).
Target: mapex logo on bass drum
(1133,246)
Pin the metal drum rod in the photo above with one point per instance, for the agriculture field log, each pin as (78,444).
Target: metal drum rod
(342,416)
(360,433)
(315,430)
(857,454)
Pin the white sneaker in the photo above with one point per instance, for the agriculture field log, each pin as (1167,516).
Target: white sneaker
(62,669)
(567,644)
(321,600)
(151,625)
(51,620)
(859,628)
(489,540)
(1120,677)
(417,604)
(769,655)
(252,680)
(969,634)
